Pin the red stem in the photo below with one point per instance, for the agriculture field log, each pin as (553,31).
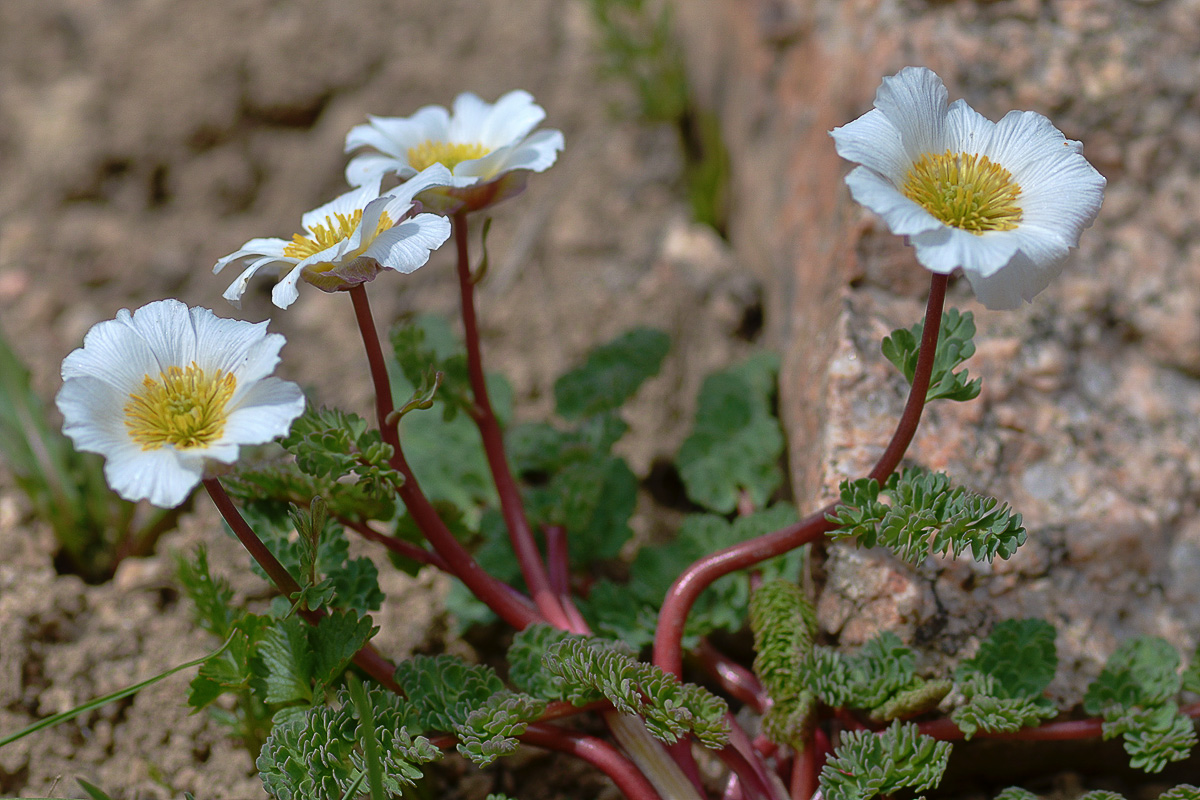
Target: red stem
(946,730)
(499,596)
(398,546)
(598,753)
(368,658)
(519,532)
(733,677)
(668,640)
(805,772)
(558,564)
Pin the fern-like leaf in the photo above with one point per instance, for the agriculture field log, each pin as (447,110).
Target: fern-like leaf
(866,764)
(1136,695)
(318,754)
(955,345)
(592,669)
(926,515)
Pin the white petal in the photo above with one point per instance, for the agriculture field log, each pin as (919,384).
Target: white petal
(235,346)
(159,476)
(968,131)
(903,216)
(469,118)
(236,289)
(1021,279)
(285,292)
(255,247)
(537,153)
(93,414)
(166,326)
(265,412)
(873,141)
(373,166)
(942,251)
(346,204)
(407,246)
(400,199)
(914,100)
(511,119)
(395,135)
(113,352)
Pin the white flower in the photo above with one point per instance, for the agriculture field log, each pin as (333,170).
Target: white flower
(483,144)
(161,391)
(1005,201)
(348,241)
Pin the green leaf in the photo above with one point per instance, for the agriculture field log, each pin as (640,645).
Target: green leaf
(470,701)
(319,753)
(334,641)
(212,597)
(1019,655)
(955,345)
(1142,672)
(612,374)
(989,709)
(880,678)
(93,791)
(525,668)
(736,443)
(784,624)
(1136,693)
(289,660)
(231,670)
(591,668)
(926,515)
(593,500)
(1016,793)
(866,764)
(1153,737)
(427,344)
(630,612)
(1184,791)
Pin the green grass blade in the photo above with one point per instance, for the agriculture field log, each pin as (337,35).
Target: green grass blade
(50,722)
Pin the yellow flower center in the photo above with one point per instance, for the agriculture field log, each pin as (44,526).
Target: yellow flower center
(450,154)
(965,191)
(337,228)
(184,408)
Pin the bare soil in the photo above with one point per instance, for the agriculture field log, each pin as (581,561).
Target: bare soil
(140,140)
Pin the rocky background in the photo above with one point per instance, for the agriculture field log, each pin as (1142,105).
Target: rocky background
(142,139)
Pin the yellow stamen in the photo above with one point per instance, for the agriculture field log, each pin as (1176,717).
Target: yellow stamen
(337,228)
(184,408)
(449,154)
(965,191)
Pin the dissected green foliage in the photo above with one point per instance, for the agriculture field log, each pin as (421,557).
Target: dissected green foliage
(629,611)
(468,700)
(320,753)
(611,375)
(354,582)
(925,515)
(880,678)
(955,345)
(784,624)
(1004,682)
(525,668)
(736,443)
(1136,695)
(332,444)
(1183,791)
(867,764)
(592,669)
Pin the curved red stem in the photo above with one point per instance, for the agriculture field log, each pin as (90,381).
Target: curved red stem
(668,640)
(596,752)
